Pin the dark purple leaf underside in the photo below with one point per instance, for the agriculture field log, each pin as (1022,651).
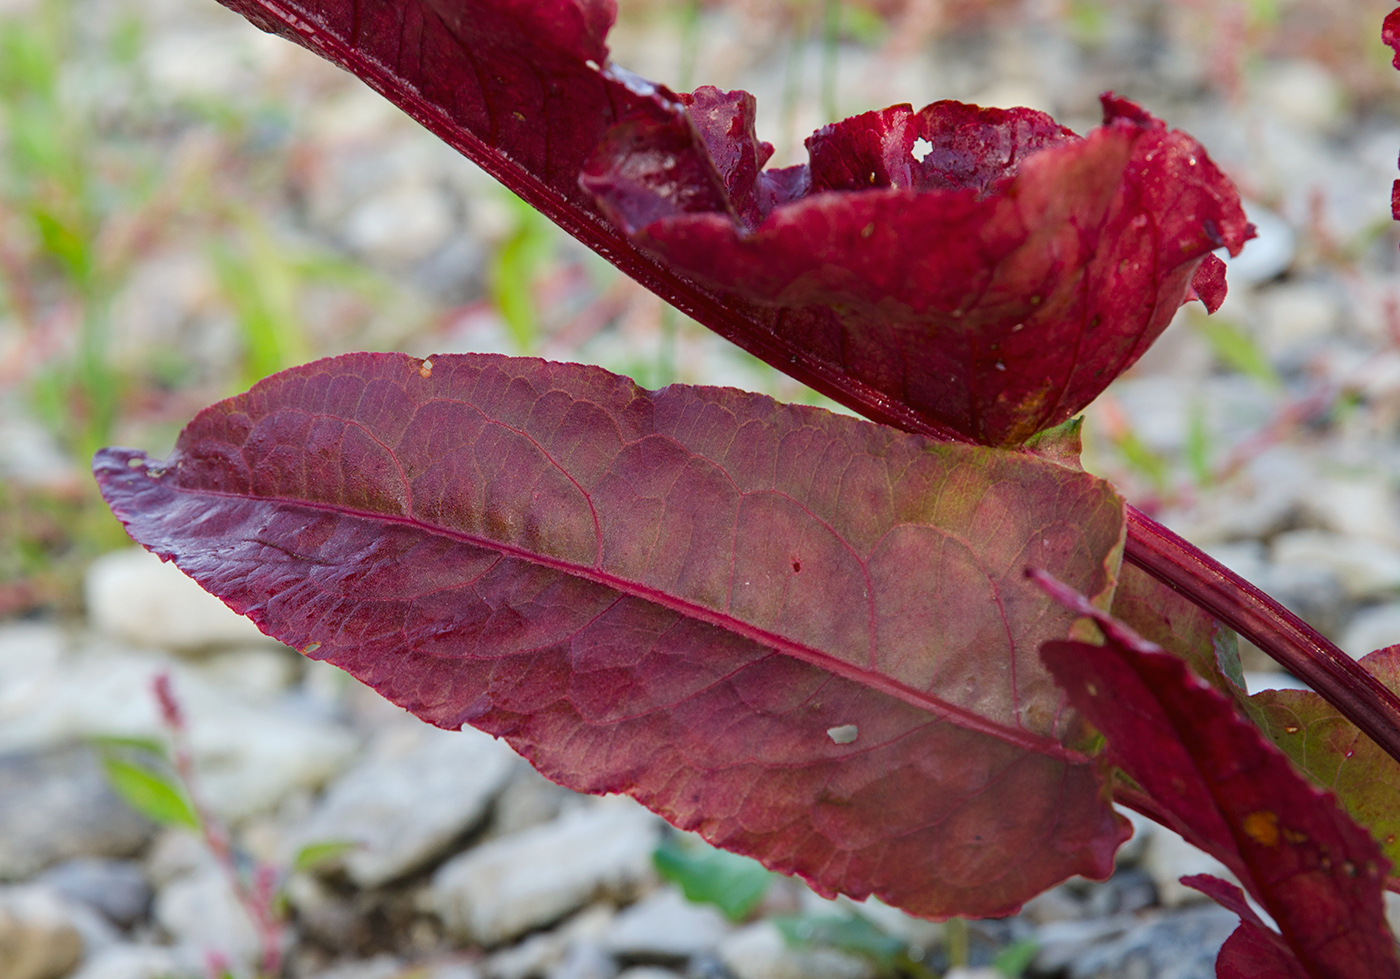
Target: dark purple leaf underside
(804,635)
(1223,786)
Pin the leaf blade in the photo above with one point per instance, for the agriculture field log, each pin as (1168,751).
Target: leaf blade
(678,595)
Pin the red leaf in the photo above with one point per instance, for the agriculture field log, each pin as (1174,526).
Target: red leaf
(1225,788)
(804,635)
(1032,298)
(1390,34)
(1254,951)
(985,266)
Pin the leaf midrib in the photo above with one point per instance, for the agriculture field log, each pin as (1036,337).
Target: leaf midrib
(952,713)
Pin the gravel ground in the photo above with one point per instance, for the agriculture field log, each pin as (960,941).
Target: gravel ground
(294,214)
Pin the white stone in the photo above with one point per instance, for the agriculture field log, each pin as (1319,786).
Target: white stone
(1366,568)
(27,648)
(1168,858)
(202,912)
(760,952)
(1361,507)
(383,966)
(135,597)
(420,792)
(1301,91)
(1265,256)
(647,972)
(258,672)
(664,925)
(512,884)
(38,938)
(248,756)
(1297,315)
(402,224)
(1372,629)
(137,962)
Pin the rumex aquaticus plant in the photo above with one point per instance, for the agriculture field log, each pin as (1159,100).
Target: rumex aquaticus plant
(916,657)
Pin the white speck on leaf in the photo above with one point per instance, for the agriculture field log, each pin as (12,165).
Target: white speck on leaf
(922,148)
(843,734)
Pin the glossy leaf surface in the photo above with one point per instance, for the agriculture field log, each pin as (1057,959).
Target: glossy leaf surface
(1335,754)
(1045,264)
(1226,789)
(804,635)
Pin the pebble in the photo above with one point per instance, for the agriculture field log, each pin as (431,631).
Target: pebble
(1181,945)
(1359,507)
(1063,942)
(117,888)
(134,596)
(129,961)
(383,966)
(760,952)
(665,927)
(1370,629)
(56,804)
(249,754)
(647,972)
(201,911)
(1168,858)
(512,884)
(406,805)
(401,225)
(1366,568)
(1266,256)
(38,939)
(584,960)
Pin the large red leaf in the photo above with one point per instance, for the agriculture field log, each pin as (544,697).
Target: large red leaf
(806,636)
(989,288)
(1218,782)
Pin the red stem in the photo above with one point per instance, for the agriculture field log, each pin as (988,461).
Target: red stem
(1342,682)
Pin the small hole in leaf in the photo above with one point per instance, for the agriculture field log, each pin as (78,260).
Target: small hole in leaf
(425,370)
(922,148)
(135,463)
(843,734)
(311,648)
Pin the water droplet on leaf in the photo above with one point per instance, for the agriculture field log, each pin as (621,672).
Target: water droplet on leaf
(843,734)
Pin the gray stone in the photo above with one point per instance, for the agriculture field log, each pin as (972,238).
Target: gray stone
(1182,945)
(1063,942)
(1266,256)
(584,960)
(647,972)
(512,884)
(760,952)
(665,927)
(401,224)
(117,888)
(1057,904)
(1127,891)
(56,804)
(541,952)
(38,939)
(407,804)
(249,754)
(384,966)
(133,596)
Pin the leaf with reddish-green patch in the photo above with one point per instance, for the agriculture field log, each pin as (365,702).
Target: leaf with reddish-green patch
(958,270)
(1335,754)
(1218,782)
(804,635)
(1166,617)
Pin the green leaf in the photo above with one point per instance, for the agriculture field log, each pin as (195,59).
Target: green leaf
(1335,755)
(1016,958)
(315,854)
(851,933)
(1236,349)
(119,742)
(732,883)
(156,796)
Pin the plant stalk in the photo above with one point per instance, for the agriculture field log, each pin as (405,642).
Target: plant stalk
(1297,646)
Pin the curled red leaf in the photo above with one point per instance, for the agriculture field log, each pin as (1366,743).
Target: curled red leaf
(987,267)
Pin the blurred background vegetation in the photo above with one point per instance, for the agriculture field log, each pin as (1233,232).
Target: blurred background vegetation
(187,205)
